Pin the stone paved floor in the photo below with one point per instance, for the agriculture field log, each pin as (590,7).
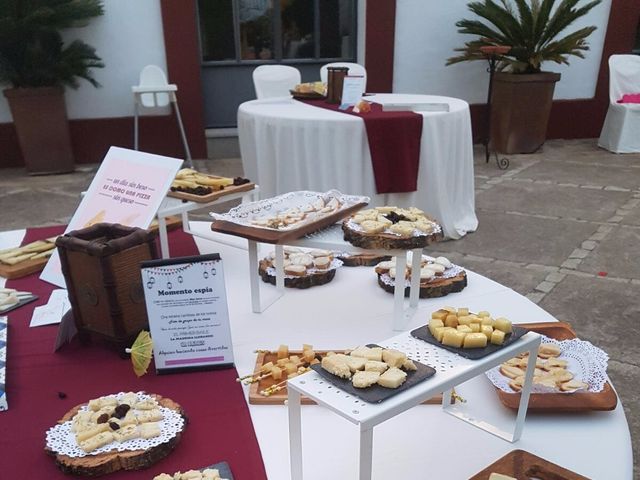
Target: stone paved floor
(561,226)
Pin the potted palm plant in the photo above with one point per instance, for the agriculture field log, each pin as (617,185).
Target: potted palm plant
(532,32)
(37,64)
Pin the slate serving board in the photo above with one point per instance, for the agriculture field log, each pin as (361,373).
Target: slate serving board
(23,301)
(424,334)
(376,393)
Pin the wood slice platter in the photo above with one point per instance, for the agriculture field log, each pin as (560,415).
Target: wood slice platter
(279,237)
(434,289)
(362,259)
(279,398)
(388,241)
(104,463)
(307,281)
(604,400)
(521,464)
(215,195)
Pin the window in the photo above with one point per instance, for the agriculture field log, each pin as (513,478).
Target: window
(273,31)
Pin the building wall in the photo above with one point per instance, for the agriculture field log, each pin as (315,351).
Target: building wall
(426,36)
(127,37)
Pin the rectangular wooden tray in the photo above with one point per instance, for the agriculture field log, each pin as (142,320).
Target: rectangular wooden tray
(521,464)
(265,235)
(280,397)
(561,402)
(28,267)
(213,195)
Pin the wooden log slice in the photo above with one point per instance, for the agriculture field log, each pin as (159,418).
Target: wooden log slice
(307,281)
(387,241)
(363,259)
(437,288)
(104,463)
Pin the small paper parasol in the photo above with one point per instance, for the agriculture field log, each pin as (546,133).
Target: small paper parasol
(141,352)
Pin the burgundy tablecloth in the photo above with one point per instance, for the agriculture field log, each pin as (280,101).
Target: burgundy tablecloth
(394,143)
(219,426)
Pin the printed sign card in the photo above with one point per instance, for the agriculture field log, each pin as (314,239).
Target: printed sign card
(188,314)
(352,91)
(128,189)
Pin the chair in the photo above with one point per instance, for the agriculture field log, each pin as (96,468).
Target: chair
(621,129)
(155,93)
(275,80)
(354,69)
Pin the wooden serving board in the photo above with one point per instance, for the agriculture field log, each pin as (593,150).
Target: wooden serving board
(215,195)
(28,267)
(279,398)
(523,465)
(278,237)
(604,400)
(439,288)
(104,463)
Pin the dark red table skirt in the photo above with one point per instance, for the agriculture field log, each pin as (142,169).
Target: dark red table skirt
(219,426)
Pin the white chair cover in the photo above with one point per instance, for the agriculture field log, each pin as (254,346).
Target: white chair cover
(354,69)
(621,129)
(275,80)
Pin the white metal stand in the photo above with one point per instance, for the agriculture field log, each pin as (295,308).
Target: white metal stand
(451,370)
(331,238)
(175,206)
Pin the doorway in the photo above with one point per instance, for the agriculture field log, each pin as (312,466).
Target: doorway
(236,36)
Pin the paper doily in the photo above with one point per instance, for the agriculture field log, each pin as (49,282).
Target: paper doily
(587,362)
(335,263)
(416,233)
(61,440)
(454,271)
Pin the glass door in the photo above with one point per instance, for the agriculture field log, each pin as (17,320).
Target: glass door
(238,35)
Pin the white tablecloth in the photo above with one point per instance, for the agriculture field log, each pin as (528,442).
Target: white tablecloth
(287,145)
(419,443)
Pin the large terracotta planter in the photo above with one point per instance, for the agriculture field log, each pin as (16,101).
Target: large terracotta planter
(520,108)
(40,117)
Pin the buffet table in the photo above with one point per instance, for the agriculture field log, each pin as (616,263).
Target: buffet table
(287,145)
(351,310)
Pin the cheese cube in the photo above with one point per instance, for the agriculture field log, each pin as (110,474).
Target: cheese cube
(281,362)
(306,347)
(497,337)
(463,311)
(336,366)
(373,366)
(503,324)
(368,353)
(451,321)
(449,309)
(283,352)
(464,328)
(266,367)
(308,355)
(294,359)
(393,358)
(453,338)
(464,320)
(355,363)
(440,332)
(409,366)
(439,315)
(487,330)
(484,314)
(392,378)
(475,340)
(276,373)
(433,324)
(290,367)
(365,379)
(475,327)
(475,318)
(487,321)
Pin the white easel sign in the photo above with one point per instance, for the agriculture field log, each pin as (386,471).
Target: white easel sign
(188,314)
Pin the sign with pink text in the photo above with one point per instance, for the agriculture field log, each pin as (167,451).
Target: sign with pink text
(128,189)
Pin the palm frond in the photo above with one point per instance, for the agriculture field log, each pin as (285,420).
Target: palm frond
(530,27)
